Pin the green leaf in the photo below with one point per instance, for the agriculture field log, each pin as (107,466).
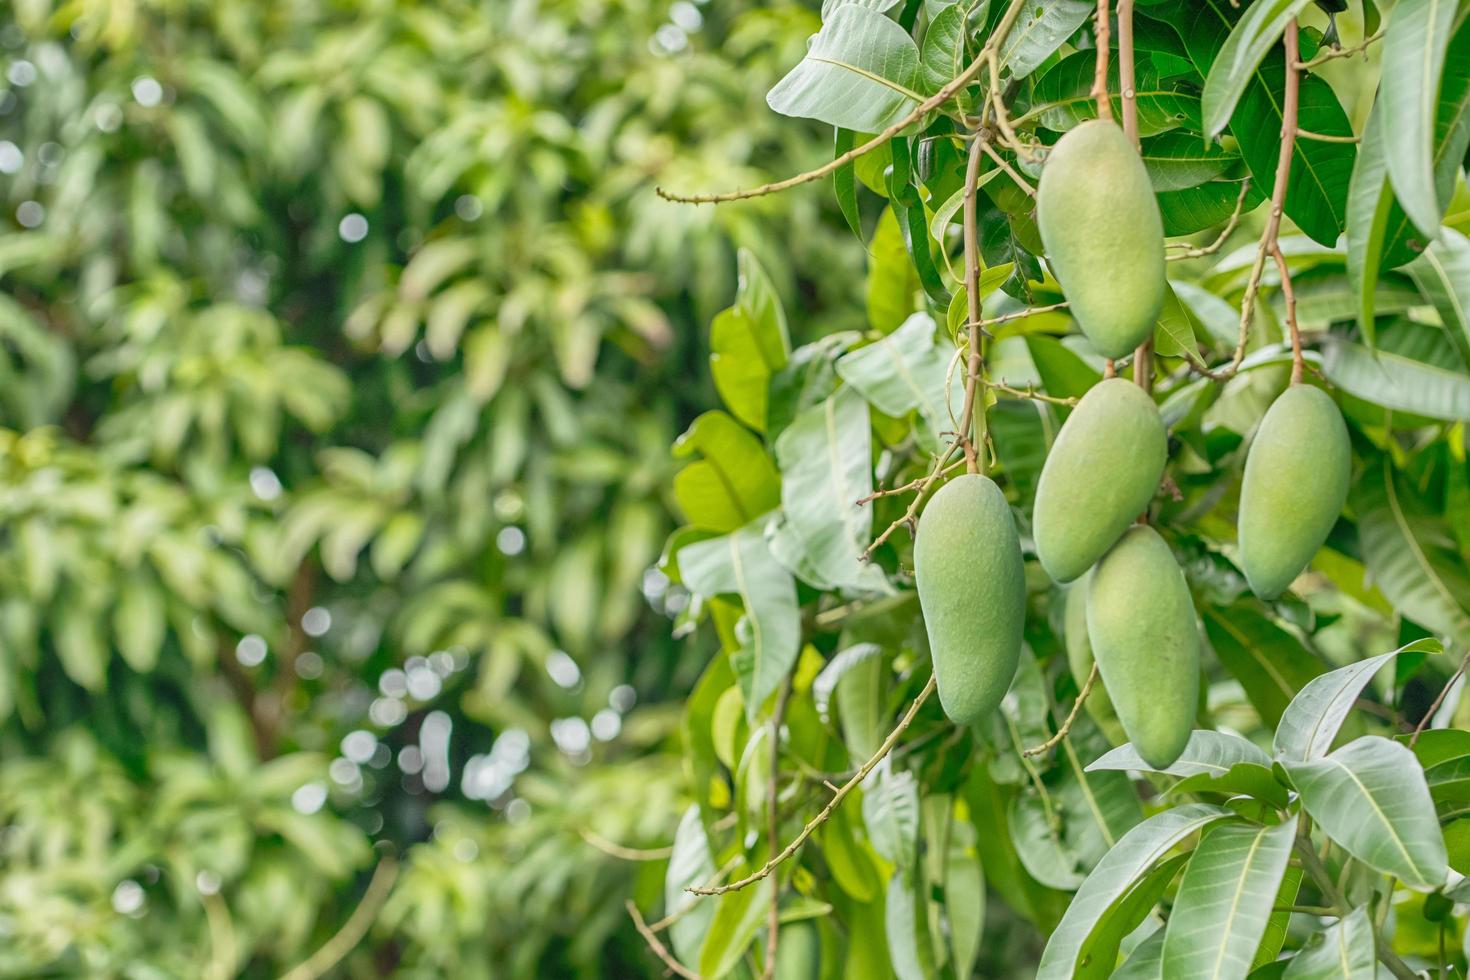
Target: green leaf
(892,279)
(1408,551)
(1279,922)
(1043,27)
(736,918)
(734,483)
(1259,28)
(1442,274)
(1345,950)
(1397,382)
(1139,850)
(1179,160)
(1062,98)
(944,49)
(908,934)
(1310,723)
(1370,797)
(861,72)
(690,864)
(1146,962)
(1174,336)
(851,862)
(741,563)
(1368,209)
(1036,837)
(1270,663)
(964,899)
(891,814)
(138,621)
(845,182)
(1413,59)
(825,457)
(1207,752)
(1208,205)
(1224,900)
(907,370)
(855,676)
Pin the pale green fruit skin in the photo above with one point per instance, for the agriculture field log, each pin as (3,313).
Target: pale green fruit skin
(1296,480)
(972,589)
(1103,234)
(1100,475)
(1141,622)
(1079,659)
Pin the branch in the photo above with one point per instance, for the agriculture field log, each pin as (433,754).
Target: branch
(356,926)
(1030,392)
(1307,134)
(1056,739)
(919,483)
(912,513)
(923,108)
(1005,165)
(1459,672)
(1099,90)
(1127,78)
(659,949)
(1328,54)
(1268,243)
(1290,294)
(773,916)
(833,804)
(1192,252)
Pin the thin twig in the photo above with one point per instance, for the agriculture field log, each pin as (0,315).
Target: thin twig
(915,484)
(356,926)
(1014,315)
(1192,252)
(1005,165)
(1099,90)
(773,915)
(1289,294)
(923,108)
(1307,134)
(1029,392)
(1062,732)
(659,949)
(836,801)
(911,515)
(974,374)
(1328,54)
(1143,364)
(614,849)
(1278,202)
(1428,715)
(688,906)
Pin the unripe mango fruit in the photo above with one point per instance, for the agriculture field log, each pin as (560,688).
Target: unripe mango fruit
(1101,473)
(972,590)
(1079,660)
(1103,235)
(1141,622)
(1296,481)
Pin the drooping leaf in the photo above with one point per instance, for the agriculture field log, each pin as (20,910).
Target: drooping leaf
(1041,29)
(1370,797)
(1207,752)
(1343,951)
(1224,900)
(907,370)
(891,814)
(1259,28)
(737,916)
(861,72)
(1413,59)
(732,483)
(1442,274)
(1397,382)
(690,864)
(908,934)
(1270,663)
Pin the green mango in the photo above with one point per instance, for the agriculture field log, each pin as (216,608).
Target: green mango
(1141,622)
(1296,481)
(1103,235)
(1079,661)
(972,590)
(1100,475)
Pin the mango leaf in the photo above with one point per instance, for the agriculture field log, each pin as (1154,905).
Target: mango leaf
(690,864)
(1099,807)
(741,563)
(1207,752)
(861,72)
(904,371)
(1410,554)
(908,935)
(1259,28)
(1062,98)
(736,918)
(892,279)
(1043,27)
(1138,851)
(964,898)
(944,49)
(1224,900)
(1208,205)
(825,457)
(1277,925)
(1413,59)
(1174,333)
(1146,962)
(1036,837)
(1397,382)
(1442,274)
(1369,205)
(733,483)
(1311,721)
(749,343)
(891,814)
(1343,951)
(1179,160)
(1270,663)
(1370,797)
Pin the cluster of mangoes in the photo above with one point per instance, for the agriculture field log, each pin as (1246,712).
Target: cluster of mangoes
(1130,607)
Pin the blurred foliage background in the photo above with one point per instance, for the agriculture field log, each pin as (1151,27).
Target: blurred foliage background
(341,347)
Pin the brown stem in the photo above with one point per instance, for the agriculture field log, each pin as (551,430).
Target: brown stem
(1327,54)
(1459,672)
(1126,77)
(1100,74)
(841,794)
(911,515)
(928,105)
(1268,242)
(974,386)
(1290,295)
(1110,368)
(1192,252)
(1143,364)
(1066,727)
(659,949)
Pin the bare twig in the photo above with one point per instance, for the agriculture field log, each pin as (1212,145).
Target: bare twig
(1307,134)
(1110,368)
(1192,252)
(911,515)
(923,108)
(1029,392)
(841,794)
(1328,54)
(356,926)
(659,949)
(1099,90)
(1066,726)
(1268,240)
(1290,295)
(915,484)
(688,906)
(1005,165)
(614,849)
(1014,315)
(1439,700)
